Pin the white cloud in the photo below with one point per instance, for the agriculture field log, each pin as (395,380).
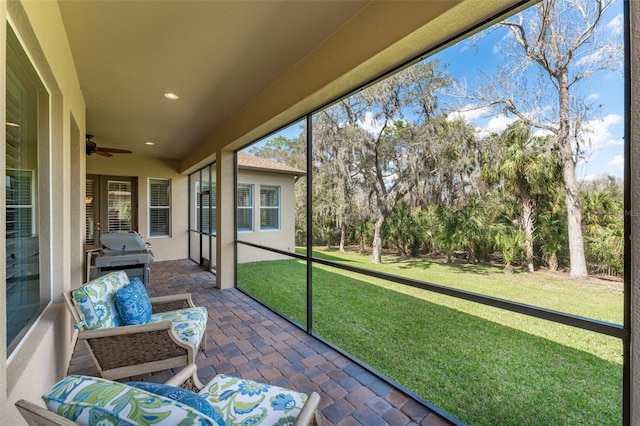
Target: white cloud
(469,113)
(616,25)
(598,132)
(593,97)
(617,162)
(499,123)
(370,124)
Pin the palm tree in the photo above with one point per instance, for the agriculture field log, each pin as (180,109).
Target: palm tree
(527,170)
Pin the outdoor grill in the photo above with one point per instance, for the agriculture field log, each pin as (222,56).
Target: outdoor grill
(124,252)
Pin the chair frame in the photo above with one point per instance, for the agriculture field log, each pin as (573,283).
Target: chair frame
(130,350)
(36,415)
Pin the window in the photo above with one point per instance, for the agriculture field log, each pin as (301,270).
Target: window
(119,205)
(159,207)
(27,113)
(269,207)
(245,207)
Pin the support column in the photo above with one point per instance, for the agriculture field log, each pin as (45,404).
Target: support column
(225,220)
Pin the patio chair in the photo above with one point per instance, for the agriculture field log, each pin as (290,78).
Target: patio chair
(166,337)
(225,400)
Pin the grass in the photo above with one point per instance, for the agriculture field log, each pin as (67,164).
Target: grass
(483,365)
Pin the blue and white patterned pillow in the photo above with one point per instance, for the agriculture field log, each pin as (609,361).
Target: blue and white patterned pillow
(93,401)
(184,396)
(96,300)
(133,304)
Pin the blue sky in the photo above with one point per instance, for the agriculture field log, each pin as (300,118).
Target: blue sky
(605,150)
(605,131)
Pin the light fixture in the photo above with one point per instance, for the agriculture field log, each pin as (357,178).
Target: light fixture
(149,143)
(171,96)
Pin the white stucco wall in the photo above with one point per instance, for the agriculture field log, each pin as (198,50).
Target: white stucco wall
(283,238)
(43,354)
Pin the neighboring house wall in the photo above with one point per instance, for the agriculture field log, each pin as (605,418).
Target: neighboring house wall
(282,238)
(144,168)
(43,355)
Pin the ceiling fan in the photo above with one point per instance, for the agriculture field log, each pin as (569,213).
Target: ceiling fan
(92,148)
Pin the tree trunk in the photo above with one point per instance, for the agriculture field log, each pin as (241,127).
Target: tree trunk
(578,264)
(528,216)
(377,240)
(553,262)
(343,236)
(472,257)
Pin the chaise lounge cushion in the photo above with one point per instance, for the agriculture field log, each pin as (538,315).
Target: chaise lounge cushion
(189,323)
(95,401)
(245,402)
(133,304)
(96,300)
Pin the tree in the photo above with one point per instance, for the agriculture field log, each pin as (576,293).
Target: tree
(527,169)
(556,45)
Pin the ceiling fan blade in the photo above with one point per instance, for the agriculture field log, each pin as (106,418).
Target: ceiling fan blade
(103,153)
(114,150)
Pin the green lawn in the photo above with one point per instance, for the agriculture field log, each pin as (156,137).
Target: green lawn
(481,364)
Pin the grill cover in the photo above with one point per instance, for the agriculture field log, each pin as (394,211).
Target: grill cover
(123,249)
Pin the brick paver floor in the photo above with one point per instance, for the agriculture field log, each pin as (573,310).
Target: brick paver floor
(246,339)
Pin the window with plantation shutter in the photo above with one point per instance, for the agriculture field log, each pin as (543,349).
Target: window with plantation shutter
(269,207)
(245,207)
(26,110)
(159,207)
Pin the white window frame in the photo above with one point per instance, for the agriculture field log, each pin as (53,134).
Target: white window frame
(248,207)
(152,207)
(276,207)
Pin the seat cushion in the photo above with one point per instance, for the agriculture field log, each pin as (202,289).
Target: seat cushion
(94,401)
(189,323)
(96,300)
(133,304)
(184,396)
(244,402)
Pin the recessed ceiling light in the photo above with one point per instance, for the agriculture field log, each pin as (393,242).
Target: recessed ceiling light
(171,96)
(149,143)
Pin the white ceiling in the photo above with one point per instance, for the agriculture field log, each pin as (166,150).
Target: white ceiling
(216,55)
(241,68)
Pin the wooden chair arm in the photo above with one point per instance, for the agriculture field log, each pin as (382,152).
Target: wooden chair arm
(171,303)
(309,415)
(186,378)
(128,329)
(36,415)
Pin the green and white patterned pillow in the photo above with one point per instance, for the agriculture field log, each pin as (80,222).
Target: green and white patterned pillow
(245,402)
(93,401)
(96,300)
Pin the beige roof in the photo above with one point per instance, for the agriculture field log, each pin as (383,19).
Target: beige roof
(248,161)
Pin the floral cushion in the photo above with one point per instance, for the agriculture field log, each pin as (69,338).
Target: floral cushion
(133,304)
(189,323)
(243,402)
(93,401)
(96,300)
